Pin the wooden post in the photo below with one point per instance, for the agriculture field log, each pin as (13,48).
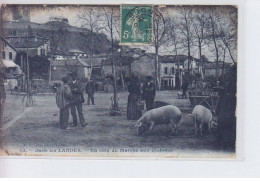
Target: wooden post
(29,99)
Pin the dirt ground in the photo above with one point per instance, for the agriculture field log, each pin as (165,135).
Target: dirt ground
(36,129)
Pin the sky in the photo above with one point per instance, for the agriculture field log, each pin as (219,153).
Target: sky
(42,14)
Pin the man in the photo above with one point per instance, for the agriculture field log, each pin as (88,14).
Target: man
(63,97)
(90,90)
(76,100)
(184,87)
(2,96)
(149,92)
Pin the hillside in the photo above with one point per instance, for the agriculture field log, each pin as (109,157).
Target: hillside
(61,35)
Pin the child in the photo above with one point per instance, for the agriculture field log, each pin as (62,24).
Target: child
(63,97)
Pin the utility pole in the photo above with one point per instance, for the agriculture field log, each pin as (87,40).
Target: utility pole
(22,67)
(50,69)
(29,98)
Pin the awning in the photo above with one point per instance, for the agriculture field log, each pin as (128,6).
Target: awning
(9,64)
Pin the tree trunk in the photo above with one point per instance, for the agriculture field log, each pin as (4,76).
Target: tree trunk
(157,70)
(122,80)
(200,54)
(215,45)
(217,56)
(28,100)
(223,66)
(91,53)
(114,74)
(229,51)
(189,61)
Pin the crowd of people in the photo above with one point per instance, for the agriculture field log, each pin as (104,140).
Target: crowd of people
(70,96)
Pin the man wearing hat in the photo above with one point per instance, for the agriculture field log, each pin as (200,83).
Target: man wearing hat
(149,92)
(90,90)
(76,100)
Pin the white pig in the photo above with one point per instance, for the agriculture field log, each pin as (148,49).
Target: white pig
(163,115)
(200,116)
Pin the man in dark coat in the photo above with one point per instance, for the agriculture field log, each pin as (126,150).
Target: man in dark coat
(76,100)
(149,90)
(90,90)
(133,113)
(184,87)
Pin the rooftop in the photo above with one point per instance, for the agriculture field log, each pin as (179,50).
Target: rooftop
(24,41)
(3,39)
(76,62)
(75,51)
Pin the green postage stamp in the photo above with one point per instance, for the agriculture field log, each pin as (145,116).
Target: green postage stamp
(136,24)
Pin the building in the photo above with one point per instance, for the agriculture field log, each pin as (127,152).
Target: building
(96,64)
(167,74)
(8,51)
(78,53)
(63,57)
(143,66)
(171,70)
(60,69)
(210,69)
(36,45)
(12,71)
(59,18)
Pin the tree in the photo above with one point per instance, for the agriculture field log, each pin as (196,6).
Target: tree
(228,35)
(159,32)
(185,26)
(213,30)
(91,19)
(173,31)
(199,28)
(224,60)
(111,20)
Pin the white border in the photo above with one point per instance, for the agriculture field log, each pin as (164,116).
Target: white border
(239,136)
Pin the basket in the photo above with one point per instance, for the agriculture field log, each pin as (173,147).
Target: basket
(140,105)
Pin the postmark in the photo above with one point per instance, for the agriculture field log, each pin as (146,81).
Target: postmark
(136,24)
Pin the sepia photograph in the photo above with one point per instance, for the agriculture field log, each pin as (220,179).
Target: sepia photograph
(123,81)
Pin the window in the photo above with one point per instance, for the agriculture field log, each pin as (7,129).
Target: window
(3,54)
(10,55)
(172,70)
(42,52)
(165,70)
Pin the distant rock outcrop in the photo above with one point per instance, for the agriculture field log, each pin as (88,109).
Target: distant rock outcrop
(62,36)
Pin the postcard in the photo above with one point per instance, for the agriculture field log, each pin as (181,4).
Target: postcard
(127,81)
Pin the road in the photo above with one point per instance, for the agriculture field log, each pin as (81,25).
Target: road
(35,130)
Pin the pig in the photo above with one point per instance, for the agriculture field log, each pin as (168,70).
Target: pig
(200,116)
(163,115)
(158,104)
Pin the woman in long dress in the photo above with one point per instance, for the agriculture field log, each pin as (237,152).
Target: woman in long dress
(133,98)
